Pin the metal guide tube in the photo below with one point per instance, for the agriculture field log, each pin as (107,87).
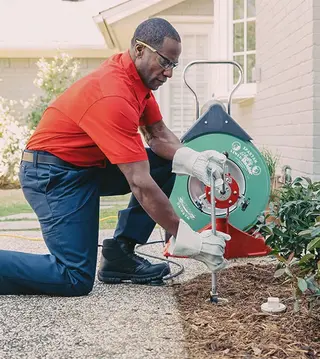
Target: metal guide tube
(214,230)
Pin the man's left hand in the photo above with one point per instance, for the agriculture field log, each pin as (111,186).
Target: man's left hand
(199,164)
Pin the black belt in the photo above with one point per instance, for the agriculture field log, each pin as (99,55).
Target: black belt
(36,157)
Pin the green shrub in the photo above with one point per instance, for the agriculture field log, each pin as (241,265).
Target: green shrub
(292,230)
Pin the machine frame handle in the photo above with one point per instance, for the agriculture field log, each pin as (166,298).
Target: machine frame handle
(211,62)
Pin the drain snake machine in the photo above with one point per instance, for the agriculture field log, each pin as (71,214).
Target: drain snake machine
(246,188)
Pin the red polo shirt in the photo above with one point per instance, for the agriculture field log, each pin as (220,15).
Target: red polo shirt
(98,117)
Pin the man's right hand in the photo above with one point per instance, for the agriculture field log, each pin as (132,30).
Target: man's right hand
(205,247)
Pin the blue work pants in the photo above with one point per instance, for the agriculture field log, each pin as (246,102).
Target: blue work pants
(66,201)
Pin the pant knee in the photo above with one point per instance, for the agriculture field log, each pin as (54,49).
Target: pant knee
(79,289)
(81,285)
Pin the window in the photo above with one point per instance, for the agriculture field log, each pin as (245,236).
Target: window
(244,38)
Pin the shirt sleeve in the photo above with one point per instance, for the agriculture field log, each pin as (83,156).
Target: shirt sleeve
(151,113)
(112,123)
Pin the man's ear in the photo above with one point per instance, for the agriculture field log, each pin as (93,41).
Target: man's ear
(139,50)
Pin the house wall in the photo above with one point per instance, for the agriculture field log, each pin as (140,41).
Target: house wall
(316,69)
(243,114)
(17,76)
(283,111)
(284,115)
(190,8)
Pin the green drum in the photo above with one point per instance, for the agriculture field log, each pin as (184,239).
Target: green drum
(246,167)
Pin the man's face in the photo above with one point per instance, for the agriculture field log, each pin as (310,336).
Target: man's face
(155,67)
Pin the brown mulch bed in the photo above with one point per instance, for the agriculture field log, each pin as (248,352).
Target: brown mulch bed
(240,329)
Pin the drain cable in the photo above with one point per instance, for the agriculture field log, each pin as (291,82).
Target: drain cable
(170,276)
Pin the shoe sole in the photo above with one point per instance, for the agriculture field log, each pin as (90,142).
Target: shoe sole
(117,278)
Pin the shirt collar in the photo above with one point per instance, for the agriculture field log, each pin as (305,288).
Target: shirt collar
(139,87)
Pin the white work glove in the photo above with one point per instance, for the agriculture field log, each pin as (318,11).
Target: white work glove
(201,165)
(204,247)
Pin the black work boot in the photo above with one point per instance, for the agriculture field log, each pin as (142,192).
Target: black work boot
(119,263)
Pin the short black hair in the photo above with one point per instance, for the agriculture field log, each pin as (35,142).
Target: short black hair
(153,31)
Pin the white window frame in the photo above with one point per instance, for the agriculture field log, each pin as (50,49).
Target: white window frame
(244,53)
(223,43)
(246,90)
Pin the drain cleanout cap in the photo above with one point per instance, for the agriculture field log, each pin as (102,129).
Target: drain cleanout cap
(273,305)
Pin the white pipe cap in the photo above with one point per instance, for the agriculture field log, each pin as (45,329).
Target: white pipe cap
(273,305)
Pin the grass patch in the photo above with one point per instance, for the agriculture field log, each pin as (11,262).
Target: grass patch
(110,223)
(12,201)
(8,210)
(121,198)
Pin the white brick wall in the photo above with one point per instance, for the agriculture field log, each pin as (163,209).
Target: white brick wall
(17,76)
(243,115)
(285,114)
(316,69)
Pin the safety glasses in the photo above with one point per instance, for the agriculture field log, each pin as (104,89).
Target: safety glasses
(163,61)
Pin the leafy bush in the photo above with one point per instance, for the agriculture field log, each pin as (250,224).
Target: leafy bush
(292,230)
(53,77)
(13,137)
(296,210)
